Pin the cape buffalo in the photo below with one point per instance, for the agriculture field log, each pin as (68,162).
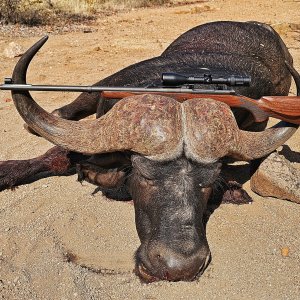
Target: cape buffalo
(165,155)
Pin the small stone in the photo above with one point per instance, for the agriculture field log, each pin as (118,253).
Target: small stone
(16,279)
(285,251)
(13,50)
(277,177)
(87,30)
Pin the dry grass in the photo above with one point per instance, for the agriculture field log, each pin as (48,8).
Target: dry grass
(42,12)
(87,6)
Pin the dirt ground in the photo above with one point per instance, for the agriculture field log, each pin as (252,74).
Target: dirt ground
(57,241)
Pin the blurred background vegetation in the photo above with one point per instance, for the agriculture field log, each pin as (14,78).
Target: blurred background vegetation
(44,12)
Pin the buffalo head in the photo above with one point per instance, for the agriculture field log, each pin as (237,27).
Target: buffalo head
(169,156)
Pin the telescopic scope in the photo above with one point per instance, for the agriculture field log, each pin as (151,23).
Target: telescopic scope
(175,79)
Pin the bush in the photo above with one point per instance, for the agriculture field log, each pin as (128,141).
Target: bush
(42,12)
(91,6)
(29,12)
(8,10)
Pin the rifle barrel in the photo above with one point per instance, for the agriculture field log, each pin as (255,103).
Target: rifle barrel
(91,89)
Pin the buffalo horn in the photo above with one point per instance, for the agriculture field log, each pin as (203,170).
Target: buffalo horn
(258,144)
(212,133)
(143,124)
(149,125)
(253,145)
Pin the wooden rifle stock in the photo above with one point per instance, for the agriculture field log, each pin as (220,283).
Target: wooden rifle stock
(286,108)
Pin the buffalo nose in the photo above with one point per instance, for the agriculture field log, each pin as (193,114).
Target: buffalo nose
(175,265)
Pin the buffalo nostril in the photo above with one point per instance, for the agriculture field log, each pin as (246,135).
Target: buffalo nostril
(171,265)
(184,268)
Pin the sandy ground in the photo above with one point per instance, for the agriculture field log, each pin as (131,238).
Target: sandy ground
(57,241)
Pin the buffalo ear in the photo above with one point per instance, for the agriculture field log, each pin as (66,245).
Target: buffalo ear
(104,178)
(107,171)
(111,182)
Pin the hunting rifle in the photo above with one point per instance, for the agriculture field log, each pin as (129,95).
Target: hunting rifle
(181,88)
